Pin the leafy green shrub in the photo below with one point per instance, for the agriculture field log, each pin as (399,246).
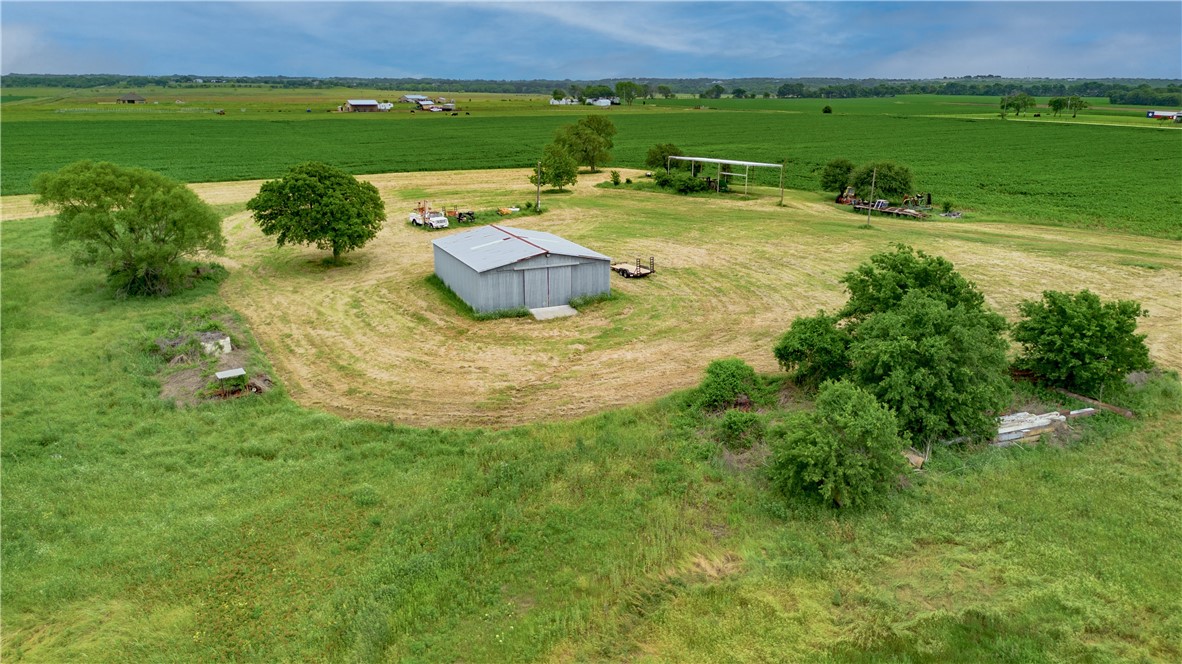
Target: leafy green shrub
(836,175)
(942,369)
(728,383)
(846,452)
(658,156)
(947,206)
(890,180)
(688,184)
(1078,342)
(740,429)
(827,109)
(557,168)
(881,283)
(682,183)
(615,176)
(814,350)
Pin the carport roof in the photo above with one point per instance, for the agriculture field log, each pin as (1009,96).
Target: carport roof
(491,247)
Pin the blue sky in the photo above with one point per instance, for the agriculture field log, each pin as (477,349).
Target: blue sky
(592,40)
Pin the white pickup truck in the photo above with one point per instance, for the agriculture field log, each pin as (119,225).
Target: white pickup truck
(432,219)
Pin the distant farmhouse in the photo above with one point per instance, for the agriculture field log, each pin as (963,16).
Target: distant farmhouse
(130,98)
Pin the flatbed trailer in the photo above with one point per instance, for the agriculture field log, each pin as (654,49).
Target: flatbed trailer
(896,211)
(635,271)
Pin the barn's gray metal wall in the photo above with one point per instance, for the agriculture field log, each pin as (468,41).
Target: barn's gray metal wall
(504,288)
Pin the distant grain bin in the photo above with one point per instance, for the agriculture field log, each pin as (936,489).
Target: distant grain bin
(497,267)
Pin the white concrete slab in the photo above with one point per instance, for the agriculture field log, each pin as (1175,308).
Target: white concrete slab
(546,313)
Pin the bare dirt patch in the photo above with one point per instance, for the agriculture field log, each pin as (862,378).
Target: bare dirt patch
(188,377)
(372,339)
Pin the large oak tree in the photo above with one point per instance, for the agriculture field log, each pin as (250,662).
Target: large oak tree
(314,203)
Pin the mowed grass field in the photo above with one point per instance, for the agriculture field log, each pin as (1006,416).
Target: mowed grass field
(1109,168)
(373,339)
(261,530)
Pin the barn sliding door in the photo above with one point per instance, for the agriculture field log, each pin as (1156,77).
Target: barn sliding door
(547,287)
(559,285)
(537,290)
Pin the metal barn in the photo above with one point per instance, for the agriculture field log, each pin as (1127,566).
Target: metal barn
(494,268)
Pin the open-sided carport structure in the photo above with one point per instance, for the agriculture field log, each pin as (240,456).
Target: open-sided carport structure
(730,164)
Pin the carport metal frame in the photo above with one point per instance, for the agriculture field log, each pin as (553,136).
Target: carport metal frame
(729,163)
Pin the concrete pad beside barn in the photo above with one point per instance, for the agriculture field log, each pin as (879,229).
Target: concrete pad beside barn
(548,313)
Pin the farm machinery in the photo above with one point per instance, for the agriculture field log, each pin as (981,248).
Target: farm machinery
(423,215)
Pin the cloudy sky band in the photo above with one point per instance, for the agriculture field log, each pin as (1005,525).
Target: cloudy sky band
(592,40)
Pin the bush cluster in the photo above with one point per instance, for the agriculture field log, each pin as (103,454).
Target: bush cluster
(728,383)
(1078,342)
(845,452)
(682,183)
(883,179)
(740,429)
(916,341)
(814,350)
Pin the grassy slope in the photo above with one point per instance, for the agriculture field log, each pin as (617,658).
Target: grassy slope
(1062,172)
(255,530)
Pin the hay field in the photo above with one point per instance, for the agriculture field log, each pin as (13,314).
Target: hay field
(373,340)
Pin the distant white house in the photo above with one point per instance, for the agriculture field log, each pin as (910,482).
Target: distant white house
(567,101)
(602,101)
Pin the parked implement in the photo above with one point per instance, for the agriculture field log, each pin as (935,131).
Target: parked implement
(636,271)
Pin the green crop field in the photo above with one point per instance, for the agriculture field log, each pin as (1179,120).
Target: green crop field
(1109,168)
(258,529)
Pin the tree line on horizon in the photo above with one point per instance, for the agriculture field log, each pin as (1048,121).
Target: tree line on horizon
(1159,92)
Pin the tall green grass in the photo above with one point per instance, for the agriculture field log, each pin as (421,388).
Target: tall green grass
(255,530)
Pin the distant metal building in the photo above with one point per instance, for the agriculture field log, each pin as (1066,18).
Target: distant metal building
(361,105)
(494,268)
(130,98)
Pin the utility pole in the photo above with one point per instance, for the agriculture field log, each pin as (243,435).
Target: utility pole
(873,181)
(783,165)
(538,202)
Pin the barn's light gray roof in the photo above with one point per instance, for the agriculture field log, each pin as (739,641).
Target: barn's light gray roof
(490,247)
(362,102)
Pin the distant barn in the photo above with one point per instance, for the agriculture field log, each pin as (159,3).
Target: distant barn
(497,267)
(130,98)
(362,105)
